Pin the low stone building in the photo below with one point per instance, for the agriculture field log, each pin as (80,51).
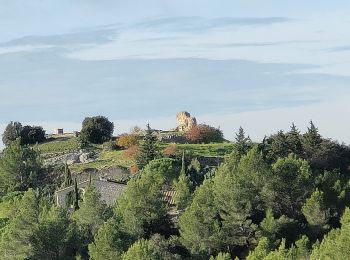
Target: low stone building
(109,190)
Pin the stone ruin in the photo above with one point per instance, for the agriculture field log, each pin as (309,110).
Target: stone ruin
(185,121)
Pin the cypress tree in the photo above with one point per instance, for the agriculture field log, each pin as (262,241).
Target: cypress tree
(76,196)
(68,181)
(182,186)
(148,149)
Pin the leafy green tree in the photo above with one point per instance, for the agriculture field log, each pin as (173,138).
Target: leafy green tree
(32,135)
(140,206)
(335,245)
(53,237)
(315,212)
(148,149)
(243,144)
(16,241)
(289,186)
(110,242)
(11,133)
(96,130)
(183,188)
(19,167)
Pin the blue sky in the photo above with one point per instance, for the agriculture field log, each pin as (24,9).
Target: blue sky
(259,64)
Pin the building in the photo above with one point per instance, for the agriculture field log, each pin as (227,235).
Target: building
(59,131)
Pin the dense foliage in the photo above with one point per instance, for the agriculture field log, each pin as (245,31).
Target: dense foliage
(27,134)
(287,197)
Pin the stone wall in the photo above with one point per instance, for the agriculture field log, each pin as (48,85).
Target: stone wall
(109,191)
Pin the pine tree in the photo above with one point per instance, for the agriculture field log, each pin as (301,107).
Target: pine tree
(312,140)
(221,256)
(16,240)
(140,206)
(52,238)
(316,213)
(294,141)
(243,143)
(90,212)
(182,187)
(148,149)
(110,242)
(335,245)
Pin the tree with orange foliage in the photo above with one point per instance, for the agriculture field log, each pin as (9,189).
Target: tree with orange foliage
(204,134)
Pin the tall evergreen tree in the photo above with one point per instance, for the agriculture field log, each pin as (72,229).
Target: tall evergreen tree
(68,182)
(294,141)
(19,167)
(243,143)
(148,149)
(140,206)
(312,140)
(76,196)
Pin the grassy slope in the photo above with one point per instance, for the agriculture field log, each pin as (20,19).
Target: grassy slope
(116,158)
(208,150)
(59,146)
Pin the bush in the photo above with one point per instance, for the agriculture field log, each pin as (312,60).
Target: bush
(127,140)
(133,169)
(132,152)
(109,146)
(204,134)
(96,130)
(170,150)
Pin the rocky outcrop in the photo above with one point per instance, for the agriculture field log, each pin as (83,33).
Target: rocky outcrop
(185,121)
(70,158)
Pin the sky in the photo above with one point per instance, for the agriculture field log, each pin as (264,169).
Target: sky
(257,64)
